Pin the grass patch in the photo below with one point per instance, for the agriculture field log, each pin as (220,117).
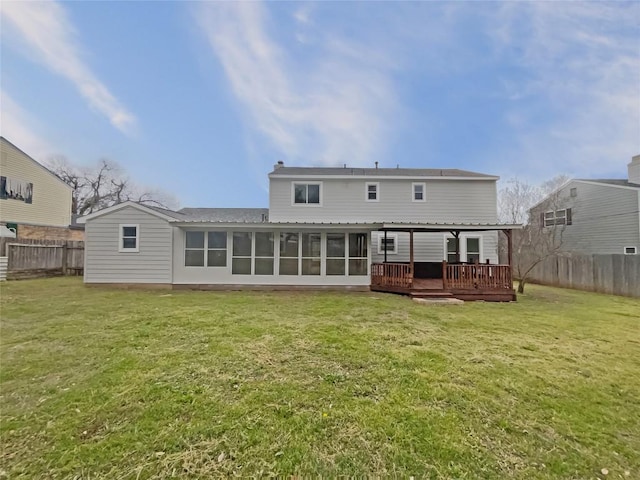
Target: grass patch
(104,383)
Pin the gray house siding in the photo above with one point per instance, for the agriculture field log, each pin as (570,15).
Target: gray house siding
(430,247)
(104,263)
(605,219)
(344,200)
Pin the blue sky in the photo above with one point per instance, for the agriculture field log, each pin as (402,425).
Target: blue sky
(201,99)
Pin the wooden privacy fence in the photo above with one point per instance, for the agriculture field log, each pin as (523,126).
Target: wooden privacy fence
(27,258)
(613,273)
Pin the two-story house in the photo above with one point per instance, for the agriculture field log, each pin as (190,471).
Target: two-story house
(34,202)
(595,216)
(358,228)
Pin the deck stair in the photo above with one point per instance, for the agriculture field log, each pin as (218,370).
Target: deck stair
(430,294)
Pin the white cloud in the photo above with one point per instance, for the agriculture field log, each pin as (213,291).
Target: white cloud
(46,30)
(581,61)
(13,127)
(327,110)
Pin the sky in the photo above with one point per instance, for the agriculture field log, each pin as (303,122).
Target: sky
(201,99)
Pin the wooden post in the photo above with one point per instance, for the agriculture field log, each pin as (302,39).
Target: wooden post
(444,275)
(411,254)
(65,254)
(509,246)
(385,246)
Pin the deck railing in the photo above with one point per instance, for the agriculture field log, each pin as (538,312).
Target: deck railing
(478,276)
(391,275)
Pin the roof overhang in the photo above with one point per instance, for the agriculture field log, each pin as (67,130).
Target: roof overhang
(280,225)
(307,176)
(448,227)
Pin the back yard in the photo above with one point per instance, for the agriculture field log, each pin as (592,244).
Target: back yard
(103,383)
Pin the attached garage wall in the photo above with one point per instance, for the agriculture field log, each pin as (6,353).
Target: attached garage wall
(105,264)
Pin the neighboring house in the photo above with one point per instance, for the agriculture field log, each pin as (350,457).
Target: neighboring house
(595,216)
(387,229)
(34,202)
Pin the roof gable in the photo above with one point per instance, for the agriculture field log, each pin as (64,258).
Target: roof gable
(168,215)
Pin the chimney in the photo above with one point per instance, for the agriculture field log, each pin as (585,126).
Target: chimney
(634,170)
(278,165)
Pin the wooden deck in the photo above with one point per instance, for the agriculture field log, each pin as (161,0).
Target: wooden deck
(465,282)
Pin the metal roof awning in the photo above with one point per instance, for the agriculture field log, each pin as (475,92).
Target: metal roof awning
(448,227)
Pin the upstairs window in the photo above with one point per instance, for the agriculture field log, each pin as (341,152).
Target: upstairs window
(419,192)
(372,192)
(129,241)
(557,217)
(306,193)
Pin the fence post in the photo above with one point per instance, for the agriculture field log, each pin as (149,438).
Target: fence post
(65,254)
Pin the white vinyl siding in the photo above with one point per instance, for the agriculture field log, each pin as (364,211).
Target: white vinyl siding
(105,263)
(51,199)
(604,218)
(342,200)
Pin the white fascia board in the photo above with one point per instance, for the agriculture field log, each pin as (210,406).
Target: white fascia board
(379,177)
(122,205)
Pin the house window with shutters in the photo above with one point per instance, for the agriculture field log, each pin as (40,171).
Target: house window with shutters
(557,217)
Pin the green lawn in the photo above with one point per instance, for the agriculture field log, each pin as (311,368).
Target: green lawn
(105,383)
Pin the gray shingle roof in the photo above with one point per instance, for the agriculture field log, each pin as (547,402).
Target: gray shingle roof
(610,181)
(379,172)
(224,215)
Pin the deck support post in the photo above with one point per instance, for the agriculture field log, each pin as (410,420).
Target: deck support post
(456,235)
(411,254)
(385,246)
(508,233)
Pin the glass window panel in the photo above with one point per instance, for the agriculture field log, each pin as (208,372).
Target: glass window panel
(451,258)
(418,192)
(358,266)
(241,266)
(335,266)
(389,245)
(313,193)
(194,258)
(335,245)
(473,258)
(289,245)
(288,266)
(311,266)
(241,244)
(452,244)
(129,242)
(300,193)
(357,244)
(195,239)
(129,231)
(473,245)
(264,266)
(264,244)
(217,240)
(310,244)
(217,258)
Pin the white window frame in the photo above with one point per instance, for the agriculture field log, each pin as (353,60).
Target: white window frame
(366,191)
(305,205)
(463,246)
(635,250)
(395,244)
(121,237)
(413,192)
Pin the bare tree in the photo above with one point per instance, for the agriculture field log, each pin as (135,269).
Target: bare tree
(536,241)
(105,184)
